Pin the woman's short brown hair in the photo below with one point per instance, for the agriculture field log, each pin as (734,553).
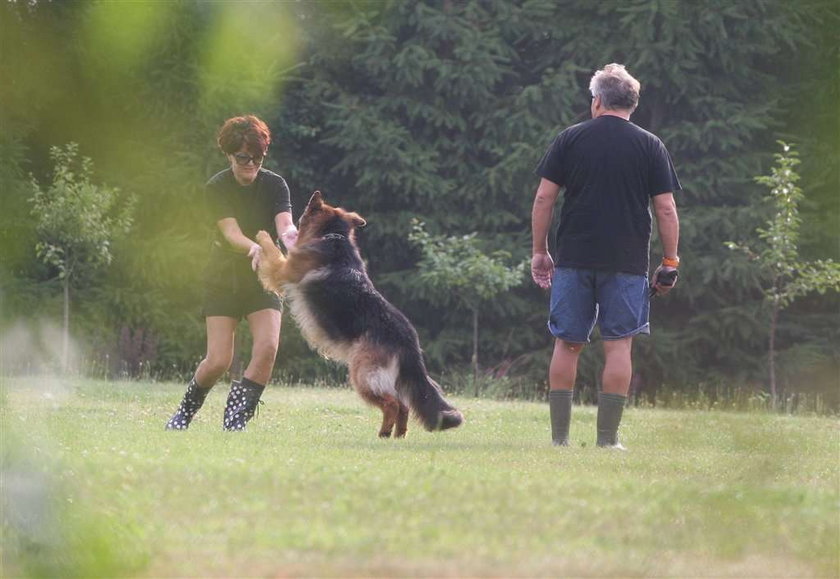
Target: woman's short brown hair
(248,130)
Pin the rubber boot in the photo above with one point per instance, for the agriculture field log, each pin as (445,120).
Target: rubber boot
(241,403)
(560,409)
(610,409)
(193,400)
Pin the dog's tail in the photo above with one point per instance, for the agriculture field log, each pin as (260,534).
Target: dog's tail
(425,397)
(270,269)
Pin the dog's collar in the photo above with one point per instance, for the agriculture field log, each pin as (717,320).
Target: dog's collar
(334,236)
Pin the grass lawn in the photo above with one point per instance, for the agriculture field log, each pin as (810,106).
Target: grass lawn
(93,486)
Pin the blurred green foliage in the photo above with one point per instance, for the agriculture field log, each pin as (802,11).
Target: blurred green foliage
(429,110)
(77,221)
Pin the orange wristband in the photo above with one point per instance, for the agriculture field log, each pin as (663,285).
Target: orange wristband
(671,261)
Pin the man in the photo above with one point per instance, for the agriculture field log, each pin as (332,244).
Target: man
(612,171)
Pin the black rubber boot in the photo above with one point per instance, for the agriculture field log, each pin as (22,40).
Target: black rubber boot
(241,403)
(560,409)
(610,409)
(193,400)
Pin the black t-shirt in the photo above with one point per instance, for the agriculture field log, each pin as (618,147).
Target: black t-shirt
(610,168)
(253,206)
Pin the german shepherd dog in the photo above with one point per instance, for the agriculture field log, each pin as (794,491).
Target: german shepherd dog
(345,318)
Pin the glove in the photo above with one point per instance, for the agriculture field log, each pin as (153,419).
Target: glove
(662,280)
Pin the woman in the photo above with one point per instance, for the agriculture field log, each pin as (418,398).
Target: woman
(242,200)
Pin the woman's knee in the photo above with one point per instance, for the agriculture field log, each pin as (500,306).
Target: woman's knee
(265,351)
(217,364)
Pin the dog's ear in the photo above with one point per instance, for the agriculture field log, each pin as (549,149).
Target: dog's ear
(315,202)
(355,219)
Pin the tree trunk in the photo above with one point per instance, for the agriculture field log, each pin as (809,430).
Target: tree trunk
(475,351)
(65,345)
(774,318)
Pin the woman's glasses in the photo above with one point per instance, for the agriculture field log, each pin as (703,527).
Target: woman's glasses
(243,159)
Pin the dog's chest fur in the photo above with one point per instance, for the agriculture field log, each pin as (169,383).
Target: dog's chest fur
(310,319)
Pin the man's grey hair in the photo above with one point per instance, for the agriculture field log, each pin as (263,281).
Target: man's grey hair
(616,87)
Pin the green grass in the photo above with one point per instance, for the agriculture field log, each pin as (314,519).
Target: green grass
(310,490)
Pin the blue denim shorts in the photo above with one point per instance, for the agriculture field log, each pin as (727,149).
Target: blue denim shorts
(580,298)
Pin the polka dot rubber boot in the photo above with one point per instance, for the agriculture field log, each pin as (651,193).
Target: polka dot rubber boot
(193,400)
(241,403)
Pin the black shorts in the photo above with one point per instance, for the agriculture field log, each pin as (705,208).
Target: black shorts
(233,291)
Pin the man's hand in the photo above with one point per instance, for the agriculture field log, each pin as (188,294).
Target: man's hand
(542,268)
(659,288)
(255,253)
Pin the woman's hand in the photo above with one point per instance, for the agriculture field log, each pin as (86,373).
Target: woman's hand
(255,253)
(289,237)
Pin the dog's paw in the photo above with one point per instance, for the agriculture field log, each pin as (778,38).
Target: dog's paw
(270,268)
(267,244)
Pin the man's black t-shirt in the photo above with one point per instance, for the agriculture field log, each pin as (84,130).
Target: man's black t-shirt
(610,168)
(253,206)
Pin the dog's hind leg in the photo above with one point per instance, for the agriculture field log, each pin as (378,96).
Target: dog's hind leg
(389,406)
(402,420)
(390,409)
(373,374)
